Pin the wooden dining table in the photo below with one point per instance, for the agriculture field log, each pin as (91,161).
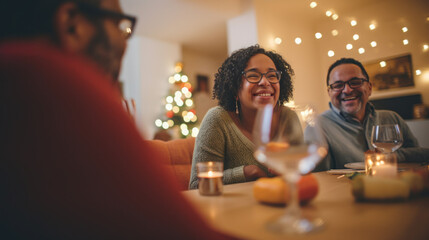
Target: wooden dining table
(237,213)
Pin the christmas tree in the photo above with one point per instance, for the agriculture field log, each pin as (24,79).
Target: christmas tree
(180,112)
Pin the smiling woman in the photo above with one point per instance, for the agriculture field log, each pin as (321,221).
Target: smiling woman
(249,79)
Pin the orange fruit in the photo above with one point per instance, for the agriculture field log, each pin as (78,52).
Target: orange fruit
(277,146)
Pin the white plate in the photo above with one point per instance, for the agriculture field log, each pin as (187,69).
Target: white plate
(343,171)
(355,165)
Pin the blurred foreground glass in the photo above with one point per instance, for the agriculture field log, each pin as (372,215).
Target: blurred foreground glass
(280,146)
(210,178)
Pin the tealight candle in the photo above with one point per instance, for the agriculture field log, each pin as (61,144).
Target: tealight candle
(210,178)
(384,170)
(380,164)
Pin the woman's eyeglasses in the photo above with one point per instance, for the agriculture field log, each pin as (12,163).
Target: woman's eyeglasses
(253,76)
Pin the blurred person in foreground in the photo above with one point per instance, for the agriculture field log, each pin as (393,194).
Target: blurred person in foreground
(348,124)
(250,78)
(73,164)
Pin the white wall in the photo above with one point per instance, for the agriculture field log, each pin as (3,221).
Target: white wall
(308,83)
(242,31)
(147,65)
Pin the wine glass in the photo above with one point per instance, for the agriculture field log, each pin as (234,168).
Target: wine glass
(280,146)
(386,137)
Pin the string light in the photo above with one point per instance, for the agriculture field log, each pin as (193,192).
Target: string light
(349,46)
(361,50)
(331,53)
(372,26)
(353,23)
(382,64)
(335,16)
(425,47)
(277,40)
(298,40)
(328,13)
(373,44)
(418,72)
(318,35)
(356,37)
(313,4)
(158,122)
(404,29)
(405,41)
(334,32)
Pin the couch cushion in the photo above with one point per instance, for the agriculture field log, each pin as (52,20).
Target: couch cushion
(177,155)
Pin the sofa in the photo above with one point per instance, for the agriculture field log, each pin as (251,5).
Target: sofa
(177,156)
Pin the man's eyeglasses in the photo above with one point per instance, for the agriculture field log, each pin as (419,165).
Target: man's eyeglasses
(353,84)
(126,23)
(253,76)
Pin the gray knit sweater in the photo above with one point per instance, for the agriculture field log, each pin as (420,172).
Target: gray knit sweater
(219,139)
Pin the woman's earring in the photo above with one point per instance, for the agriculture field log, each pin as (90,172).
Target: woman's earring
(236,107)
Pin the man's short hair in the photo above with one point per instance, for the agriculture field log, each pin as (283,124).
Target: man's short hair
(345,61)
(29,18)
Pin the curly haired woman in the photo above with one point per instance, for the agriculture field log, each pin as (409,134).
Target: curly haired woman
(250,78)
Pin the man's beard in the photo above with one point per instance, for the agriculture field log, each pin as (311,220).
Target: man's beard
(103,53)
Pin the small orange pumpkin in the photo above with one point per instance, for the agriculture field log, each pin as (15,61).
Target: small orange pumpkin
(275,190)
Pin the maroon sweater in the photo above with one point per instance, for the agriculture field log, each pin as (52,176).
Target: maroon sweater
(72,163)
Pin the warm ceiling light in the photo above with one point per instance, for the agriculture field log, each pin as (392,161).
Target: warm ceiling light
(335,16)
(425,47)
(361,50)
(353,23)
(328,13)
(356,37)
(404,29)
(318,35)
(405,41)
(298,40)
(334,32)
(418,72)
(373,44)
(372,26)
(382,64)
(277,40)
(313,4)
(349,46)
(331,53)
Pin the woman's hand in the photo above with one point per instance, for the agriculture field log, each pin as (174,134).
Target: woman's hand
(253,172)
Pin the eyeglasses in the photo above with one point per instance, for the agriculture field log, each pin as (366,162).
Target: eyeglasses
(353,84)
(126,23)
(253,76)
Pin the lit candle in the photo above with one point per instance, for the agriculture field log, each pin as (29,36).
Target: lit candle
(384,170)
(210,178)
(210,183)
(380,164)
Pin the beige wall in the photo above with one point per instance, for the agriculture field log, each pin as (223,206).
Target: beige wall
(310,60)
(194,64)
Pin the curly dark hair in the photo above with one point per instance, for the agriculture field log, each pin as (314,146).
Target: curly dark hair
(228,78)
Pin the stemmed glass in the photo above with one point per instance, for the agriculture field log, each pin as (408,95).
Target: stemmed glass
(386,138)
(280,146)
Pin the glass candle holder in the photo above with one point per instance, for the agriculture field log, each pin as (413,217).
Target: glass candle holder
(210,178)
(380,164)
